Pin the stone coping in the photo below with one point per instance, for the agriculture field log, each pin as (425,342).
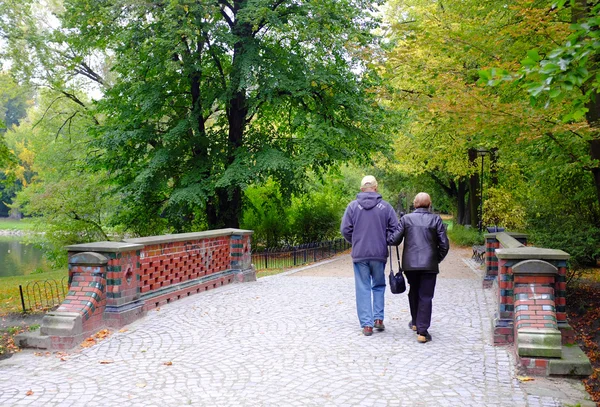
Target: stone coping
(88,258)
(534,266)
(104,247)
(508,241)
(526,252)
(513,234)
(179,237)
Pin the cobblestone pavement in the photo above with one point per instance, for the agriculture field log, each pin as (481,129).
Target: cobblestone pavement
(292,340)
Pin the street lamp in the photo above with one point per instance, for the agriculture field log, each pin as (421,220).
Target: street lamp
(481,152)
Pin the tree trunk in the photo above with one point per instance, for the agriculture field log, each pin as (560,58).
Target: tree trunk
(474,200)
(467,217)
(461,194)
(230,198)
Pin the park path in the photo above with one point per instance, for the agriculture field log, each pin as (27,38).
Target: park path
(293,339)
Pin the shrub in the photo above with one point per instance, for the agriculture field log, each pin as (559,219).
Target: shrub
(465,236)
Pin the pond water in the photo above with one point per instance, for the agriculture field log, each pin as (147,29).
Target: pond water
(17,258)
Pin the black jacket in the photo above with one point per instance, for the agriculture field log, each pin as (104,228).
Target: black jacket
(425,241)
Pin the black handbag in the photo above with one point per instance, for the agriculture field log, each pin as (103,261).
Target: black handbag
(397,282)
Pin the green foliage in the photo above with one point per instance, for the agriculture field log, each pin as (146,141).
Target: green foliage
(564,215)
(501,208)
(208,98)
(568,70)
(311,217)
(317,217)
(465,236)
(68,201)
(267,214)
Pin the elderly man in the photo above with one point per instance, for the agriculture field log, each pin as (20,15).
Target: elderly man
(368,223)
(425,246)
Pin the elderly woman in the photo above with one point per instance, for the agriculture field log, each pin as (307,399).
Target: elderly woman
(425,246)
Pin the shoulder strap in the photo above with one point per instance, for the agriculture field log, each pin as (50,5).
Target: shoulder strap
(391,263)
(397,257)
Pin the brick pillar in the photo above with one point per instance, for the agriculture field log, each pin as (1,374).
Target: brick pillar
(491,261)
(81,312)
(122,303)
(536,329)
(504,320)
(494,241)
(536,277)
(241,258)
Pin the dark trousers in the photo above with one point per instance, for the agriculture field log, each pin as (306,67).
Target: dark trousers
(420,296)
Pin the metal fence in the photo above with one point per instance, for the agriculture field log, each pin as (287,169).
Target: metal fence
(43,295)
(291,256)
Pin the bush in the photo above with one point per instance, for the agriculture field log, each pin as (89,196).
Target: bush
(310,217)
(564,214)
(465,236)
(573,234)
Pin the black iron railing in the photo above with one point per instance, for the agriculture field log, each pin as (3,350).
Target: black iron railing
(43,295)
(291,256)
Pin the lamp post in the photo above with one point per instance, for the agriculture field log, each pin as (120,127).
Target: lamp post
(481,152)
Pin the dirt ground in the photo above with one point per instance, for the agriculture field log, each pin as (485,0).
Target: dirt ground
(453,266)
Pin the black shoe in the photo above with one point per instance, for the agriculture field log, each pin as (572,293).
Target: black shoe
(423,337)
(412,326)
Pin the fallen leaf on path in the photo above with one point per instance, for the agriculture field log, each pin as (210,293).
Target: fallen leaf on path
(168,363)
(106,362)
(29,393)
(88,342)
(141,384)
(525,378)
(103,334)
(123,330)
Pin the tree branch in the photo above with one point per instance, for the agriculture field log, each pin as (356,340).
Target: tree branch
(64,123)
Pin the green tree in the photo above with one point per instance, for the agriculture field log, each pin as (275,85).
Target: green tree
(212,96)
(439,52)
(570,72)
(70,201)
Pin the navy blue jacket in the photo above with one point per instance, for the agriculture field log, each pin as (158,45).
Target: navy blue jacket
(368,223)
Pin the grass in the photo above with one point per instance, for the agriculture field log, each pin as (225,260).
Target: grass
(10,298)
(16,224)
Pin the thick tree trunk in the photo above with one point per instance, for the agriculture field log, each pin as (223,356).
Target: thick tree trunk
(457,192)
(230,198)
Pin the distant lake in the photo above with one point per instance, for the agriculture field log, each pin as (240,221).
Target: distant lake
(18,259)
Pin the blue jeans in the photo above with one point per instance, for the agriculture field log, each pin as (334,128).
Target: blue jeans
(369,277)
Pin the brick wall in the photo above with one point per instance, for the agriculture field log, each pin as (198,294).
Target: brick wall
(114,283)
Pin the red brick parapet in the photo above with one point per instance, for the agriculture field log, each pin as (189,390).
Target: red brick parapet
(112,284)
(531,288)
(491,261)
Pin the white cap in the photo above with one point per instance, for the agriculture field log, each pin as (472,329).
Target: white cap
(368,182)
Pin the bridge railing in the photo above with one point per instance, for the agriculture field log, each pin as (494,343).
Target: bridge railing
(292,256)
